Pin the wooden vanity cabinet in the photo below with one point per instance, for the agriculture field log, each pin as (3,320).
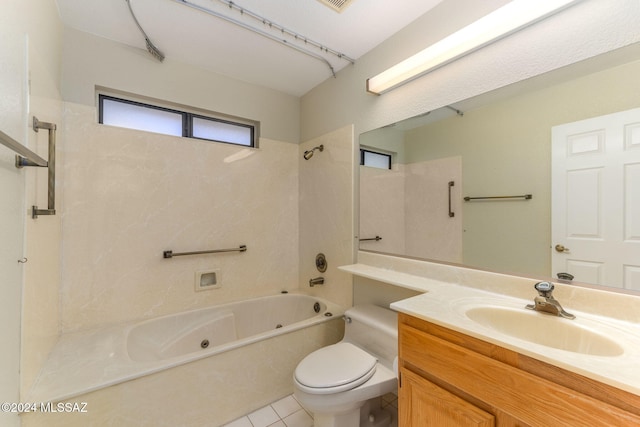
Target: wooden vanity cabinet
(451,379)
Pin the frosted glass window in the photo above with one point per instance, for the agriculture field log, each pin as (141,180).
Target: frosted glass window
(131,114)
(216,130)
(375,160)
(135,116)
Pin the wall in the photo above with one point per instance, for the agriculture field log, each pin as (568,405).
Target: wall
(12,109)
(30,75)
(408,208)
(382,208)
(382,191)
(430,231)
(130,195)
(326,213)
(387,138)
(90,61)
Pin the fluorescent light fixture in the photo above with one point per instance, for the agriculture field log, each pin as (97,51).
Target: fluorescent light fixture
(504,21)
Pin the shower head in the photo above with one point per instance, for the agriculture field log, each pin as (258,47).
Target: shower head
(309,153)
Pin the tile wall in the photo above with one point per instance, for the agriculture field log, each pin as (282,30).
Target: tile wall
(407,206)
(130,195)
(326,213)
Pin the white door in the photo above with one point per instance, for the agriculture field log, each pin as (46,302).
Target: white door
(595,200)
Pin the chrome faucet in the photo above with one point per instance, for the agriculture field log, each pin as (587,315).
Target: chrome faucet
(316,281)
(545,301)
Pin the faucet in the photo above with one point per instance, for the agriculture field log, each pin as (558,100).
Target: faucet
(316,281)
(545,301)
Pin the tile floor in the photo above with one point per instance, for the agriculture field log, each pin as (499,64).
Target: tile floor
(287,412)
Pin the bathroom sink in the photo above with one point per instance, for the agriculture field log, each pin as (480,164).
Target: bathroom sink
(544,329)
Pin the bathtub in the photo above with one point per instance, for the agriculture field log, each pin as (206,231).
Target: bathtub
(201,367)
(208,331)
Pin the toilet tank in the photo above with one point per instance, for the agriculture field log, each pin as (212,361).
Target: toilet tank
(374,329)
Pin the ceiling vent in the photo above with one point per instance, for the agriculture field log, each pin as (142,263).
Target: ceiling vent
(337,5)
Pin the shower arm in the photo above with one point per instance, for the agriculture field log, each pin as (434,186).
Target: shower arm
(377,239)
(309,153)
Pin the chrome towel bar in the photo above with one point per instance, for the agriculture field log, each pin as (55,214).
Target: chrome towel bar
(170,254)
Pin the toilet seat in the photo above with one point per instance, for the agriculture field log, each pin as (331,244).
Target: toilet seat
(338,367)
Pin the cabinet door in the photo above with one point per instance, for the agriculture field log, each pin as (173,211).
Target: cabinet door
(424,404)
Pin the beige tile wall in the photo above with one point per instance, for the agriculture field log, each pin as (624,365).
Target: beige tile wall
(326,213)
(130,195)
(407,207)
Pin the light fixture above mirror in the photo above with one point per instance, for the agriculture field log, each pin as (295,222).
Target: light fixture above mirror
(503,21)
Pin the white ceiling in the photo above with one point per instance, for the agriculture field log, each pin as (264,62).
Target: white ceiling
(198,38)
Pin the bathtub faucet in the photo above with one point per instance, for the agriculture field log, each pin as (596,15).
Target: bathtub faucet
(316,281)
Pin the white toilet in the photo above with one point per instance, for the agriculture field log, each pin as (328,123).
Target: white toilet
(339,384)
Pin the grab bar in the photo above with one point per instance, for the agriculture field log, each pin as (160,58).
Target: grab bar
(371,238)
(524,196)
(26,157)
(451,213)
(170,254)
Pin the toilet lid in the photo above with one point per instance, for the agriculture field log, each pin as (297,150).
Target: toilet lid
(335,368)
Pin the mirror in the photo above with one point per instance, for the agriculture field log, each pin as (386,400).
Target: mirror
(496,144)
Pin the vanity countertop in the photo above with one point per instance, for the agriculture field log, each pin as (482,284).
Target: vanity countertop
(447,304)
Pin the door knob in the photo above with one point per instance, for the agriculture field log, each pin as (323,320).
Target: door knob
(561,248)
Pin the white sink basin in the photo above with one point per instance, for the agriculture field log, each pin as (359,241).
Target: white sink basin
(544,329)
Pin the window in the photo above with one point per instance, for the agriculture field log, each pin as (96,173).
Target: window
(154,118)
(127,114)
(375,159)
